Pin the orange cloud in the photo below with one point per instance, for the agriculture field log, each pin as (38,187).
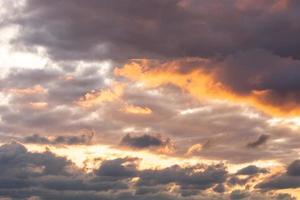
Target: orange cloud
(136,110)
(38,105)
(112,94)
(37,89)
(95,98)
(202,84)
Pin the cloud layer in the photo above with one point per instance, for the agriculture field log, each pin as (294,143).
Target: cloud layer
(209,82)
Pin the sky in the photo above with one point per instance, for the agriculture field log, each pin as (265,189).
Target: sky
(149,100)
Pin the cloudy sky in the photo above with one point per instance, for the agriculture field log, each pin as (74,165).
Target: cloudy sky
(149,99)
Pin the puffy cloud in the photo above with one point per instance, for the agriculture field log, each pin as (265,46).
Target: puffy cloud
(185,177)
(294,168)
(290,179)
(251,170)
(44,175)
(118,168)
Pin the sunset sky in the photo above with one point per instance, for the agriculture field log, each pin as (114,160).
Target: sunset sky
(149,99)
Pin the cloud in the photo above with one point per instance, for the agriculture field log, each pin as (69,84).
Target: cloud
(118,168)
(245,63)
(95,98)
(262,139)
(220,188)
(294,168)
(67,140)
(144,141)
(44,175)
(238,52)
(135,31)
(290,179)
(185,177)
(17,161)
(251,170)
(251,77)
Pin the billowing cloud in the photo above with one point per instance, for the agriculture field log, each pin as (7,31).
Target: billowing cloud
(126,167)
(290,179)
(45,175)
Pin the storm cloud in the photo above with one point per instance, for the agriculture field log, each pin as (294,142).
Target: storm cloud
(127,29)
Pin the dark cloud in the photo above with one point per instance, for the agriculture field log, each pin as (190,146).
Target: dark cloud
(247,72)
(252,48)
(118,168)
(251,170)
(294,168)
(17,161)
(24,174)
(185,177)
(68,140)
(262,139)
(220,188)
(143,141)
(100,29)
(236,181)
(238,194)
(280,182)
(290,179)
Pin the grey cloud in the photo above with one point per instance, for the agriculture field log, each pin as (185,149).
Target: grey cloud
(23,78)
(294,168)
(15,158)
(260,70)
(220,188)
(116,168)
(101,29)
(143,141)
(252,48)
(290,179)
(238,194)
(251,170)
(262,139)
(46,176)
(280,182)
(68,140)
(185,177)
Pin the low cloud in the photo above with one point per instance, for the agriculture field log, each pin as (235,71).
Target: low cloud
(290,179)
(251,170)
(25,174)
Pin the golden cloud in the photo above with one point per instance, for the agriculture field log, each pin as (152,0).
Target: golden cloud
(95,98)
(200,83)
